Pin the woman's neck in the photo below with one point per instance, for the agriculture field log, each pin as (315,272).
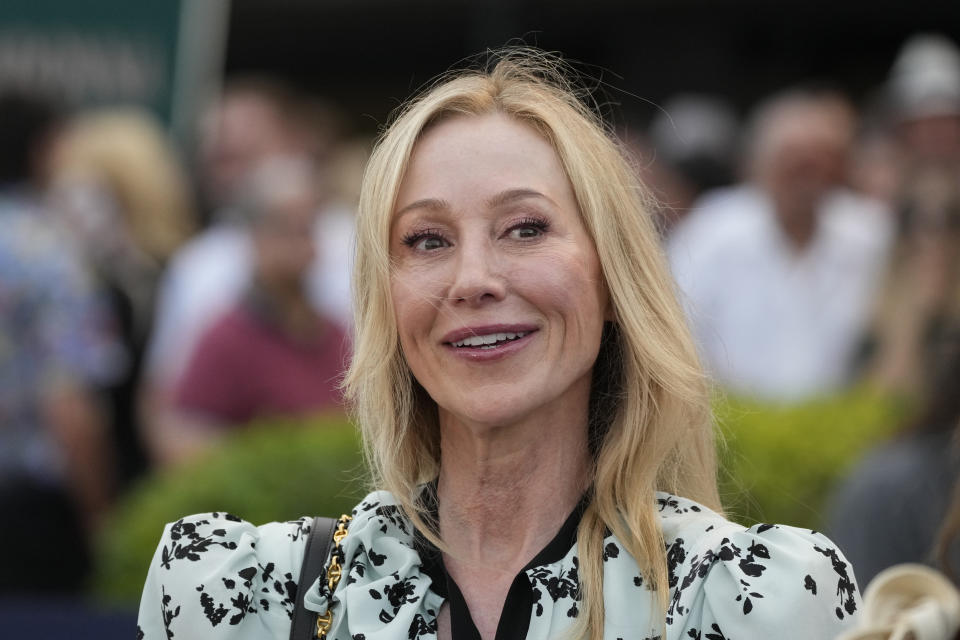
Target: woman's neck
(503,494)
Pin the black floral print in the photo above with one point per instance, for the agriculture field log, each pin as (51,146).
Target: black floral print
(217,578)
(846,590)
(301,528)
(186,543)
(674,503)
(421,628)
(397,594)
(676,554)
(565,586)
(169,611)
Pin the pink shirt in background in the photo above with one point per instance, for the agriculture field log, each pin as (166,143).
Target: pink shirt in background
(244,368)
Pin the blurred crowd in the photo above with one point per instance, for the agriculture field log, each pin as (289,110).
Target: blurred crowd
(832,259)
(154,300)
(151,304)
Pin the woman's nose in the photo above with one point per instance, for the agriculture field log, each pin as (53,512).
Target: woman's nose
(477,277)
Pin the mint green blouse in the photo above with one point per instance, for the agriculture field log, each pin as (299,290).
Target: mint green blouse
(217,577)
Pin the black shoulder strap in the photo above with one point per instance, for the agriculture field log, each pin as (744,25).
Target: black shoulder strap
(314,557)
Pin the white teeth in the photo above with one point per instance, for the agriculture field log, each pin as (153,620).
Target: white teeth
(489,340)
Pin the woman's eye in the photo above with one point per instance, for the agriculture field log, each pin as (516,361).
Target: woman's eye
(527,230)
(522,233)
(425,241)
(430,243)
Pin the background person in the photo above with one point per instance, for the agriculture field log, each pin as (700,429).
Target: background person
(272,355)
(918,315)
(779,274)
(119,191)
(254,120)
(58,350)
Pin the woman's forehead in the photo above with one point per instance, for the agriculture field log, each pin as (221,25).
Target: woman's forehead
(478,157)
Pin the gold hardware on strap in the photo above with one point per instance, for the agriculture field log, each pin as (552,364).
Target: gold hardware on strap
(323,624)
(341,531)
(334,573)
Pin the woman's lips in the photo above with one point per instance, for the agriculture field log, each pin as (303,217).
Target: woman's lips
(490,342)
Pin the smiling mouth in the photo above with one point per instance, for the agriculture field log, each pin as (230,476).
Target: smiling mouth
(489,341)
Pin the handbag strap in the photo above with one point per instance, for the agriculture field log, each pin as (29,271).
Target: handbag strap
(314,556)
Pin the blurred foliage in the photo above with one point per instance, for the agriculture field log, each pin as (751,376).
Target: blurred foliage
(271,471)
(780,463)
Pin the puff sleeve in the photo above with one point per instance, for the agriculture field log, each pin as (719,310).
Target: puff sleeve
(762,582)
(215,576)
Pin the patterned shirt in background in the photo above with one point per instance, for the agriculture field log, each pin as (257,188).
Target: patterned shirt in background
(54,329)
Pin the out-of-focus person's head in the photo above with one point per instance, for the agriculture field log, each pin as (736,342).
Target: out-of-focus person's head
(118,180)
(798,145)
(688,149)
(924,92)
(646,380)
(696,135)
(279,202)
(252,120)
(27,125)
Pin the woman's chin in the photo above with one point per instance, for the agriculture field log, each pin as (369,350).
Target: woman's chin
(492,413)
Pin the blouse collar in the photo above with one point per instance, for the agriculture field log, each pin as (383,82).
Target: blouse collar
(554,551)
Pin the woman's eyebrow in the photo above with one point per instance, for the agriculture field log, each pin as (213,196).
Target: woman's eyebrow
(433,204)
(512,195)
(500,199)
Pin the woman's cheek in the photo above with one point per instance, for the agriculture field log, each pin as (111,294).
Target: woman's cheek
(556,281)
(415,304)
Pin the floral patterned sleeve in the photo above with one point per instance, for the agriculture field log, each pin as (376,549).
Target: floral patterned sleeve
(215,576)
(765,581)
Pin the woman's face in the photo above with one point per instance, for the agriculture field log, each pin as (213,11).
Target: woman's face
(497,290)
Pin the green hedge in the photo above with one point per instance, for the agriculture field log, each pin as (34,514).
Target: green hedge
(276,471)
(779,463)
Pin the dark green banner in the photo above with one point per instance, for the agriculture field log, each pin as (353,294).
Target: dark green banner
(90,52)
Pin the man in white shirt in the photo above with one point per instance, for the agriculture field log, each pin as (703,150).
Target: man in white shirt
(778,275)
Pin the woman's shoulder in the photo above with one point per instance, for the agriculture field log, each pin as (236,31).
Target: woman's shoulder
(213,572)
(723,575)
(213,536)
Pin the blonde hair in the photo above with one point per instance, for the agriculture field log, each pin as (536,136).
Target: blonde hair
(650,421)
(127,149)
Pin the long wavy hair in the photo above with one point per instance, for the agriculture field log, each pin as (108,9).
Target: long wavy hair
(650,421)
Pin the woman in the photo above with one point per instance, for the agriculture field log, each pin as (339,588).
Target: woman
(121,194)
(525,385)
